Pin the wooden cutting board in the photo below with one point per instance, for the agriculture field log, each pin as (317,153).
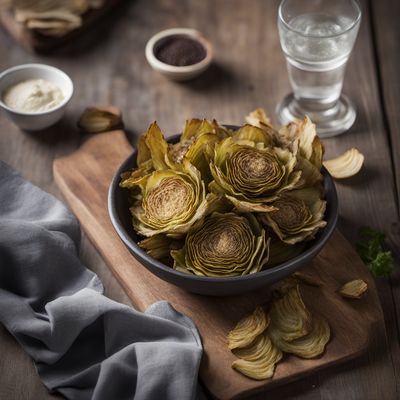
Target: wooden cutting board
(84,178)
(34,41)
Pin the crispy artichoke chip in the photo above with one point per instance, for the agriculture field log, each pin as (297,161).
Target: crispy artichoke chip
(298,215)
(290,318)
(251,174)
(100,119)
(258,361)
(250,133)
(346,165)
(158,147)
(247,329)
(143,152)
(258,118)
(301,137)
(310,345)
(159,246)
(354,289)
(195,128)
(197,144)
(259,339)
(246,206)
(152,151)
(199,152)
(223,245)
(254,350)
(135,178)
(170,202)
(310,174)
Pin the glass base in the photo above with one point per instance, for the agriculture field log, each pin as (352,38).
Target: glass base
(331,121)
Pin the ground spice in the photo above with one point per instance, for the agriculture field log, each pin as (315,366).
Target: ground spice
(180,51)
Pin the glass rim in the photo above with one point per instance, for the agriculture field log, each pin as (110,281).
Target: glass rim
(353,24)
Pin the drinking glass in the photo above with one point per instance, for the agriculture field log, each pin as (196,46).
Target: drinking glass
(317,37)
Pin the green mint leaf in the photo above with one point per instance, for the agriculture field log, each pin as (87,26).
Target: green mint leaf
(371,250)
(382,265)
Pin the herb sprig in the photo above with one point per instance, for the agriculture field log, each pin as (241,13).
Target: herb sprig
(372,252)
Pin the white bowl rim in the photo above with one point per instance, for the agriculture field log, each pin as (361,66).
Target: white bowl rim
(42,67)
(189,32)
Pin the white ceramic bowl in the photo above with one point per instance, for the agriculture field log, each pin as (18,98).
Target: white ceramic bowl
(178,73)
(33,121)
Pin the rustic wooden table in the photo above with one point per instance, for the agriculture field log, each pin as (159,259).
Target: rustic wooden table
(108,66)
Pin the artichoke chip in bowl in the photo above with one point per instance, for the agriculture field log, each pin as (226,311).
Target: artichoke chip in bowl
(222,210)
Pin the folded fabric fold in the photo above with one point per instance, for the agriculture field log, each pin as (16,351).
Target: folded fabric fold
(85,346)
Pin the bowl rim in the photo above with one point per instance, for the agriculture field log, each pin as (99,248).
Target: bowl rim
(188,32)
(313,250)
(38,66)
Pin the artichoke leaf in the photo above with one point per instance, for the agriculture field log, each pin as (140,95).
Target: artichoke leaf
(253,134)
(310,174)
(301,137)
(158,148)
(247,206)
(258,118)
(143,152)
(159,246)
(195,128)
(132,179)
(199,152)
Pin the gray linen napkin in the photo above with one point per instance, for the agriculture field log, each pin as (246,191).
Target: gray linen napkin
(85,346)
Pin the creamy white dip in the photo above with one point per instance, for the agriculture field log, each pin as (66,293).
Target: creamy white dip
(33,95)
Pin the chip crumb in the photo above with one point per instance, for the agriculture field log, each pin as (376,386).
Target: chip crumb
(353,289)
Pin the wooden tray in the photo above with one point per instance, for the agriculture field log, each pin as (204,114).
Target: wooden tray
(84,178)
(35,41)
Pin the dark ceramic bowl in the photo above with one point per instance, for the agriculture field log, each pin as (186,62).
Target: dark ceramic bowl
(118,208)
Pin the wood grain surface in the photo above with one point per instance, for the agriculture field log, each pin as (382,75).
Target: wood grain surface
(108,65)
(84,178)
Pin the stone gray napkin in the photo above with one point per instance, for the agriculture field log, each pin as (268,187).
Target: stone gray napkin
(85,346)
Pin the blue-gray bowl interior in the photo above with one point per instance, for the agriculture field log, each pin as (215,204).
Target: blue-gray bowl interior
(118,206)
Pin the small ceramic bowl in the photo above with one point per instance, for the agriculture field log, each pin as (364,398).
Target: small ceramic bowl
(178,73)
(33,121)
